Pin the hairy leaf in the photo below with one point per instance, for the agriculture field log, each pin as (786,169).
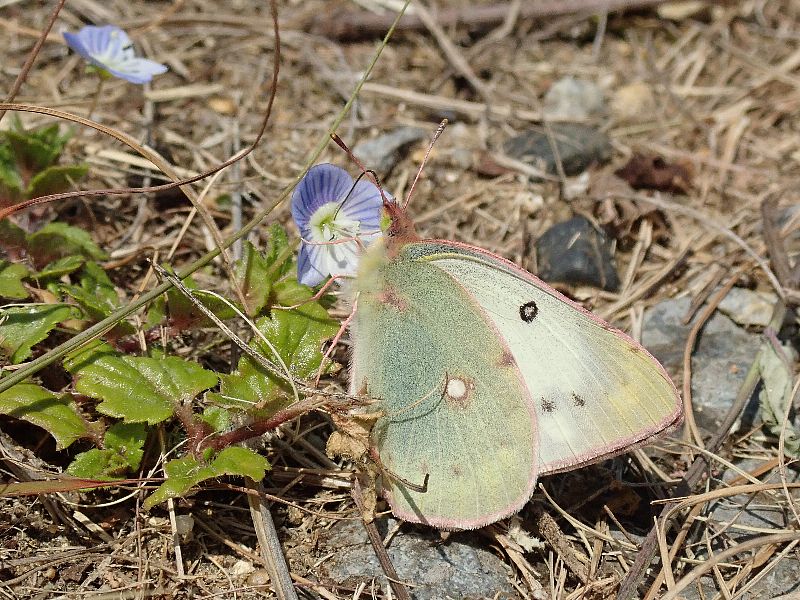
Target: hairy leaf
(57,240)
(184,473)
(55,179)
(122,453)
(21,327)
(137,389)
(257,272)
(62,266)
(298,336)
(54,413)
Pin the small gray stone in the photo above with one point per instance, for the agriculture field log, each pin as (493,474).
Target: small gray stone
(454,569)
(383,152)
(575,252)
(720,362)
(571,99)
(578,147)
(748,307)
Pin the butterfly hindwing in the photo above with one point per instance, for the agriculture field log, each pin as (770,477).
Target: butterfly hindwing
(596,392)
(455,407)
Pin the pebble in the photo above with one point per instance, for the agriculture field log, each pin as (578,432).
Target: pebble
(572,99)
(576,253)
(578,147)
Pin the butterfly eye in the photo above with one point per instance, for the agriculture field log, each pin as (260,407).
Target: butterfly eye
(528,311)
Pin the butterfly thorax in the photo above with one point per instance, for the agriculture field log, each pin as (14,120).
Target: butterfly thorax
(401,229)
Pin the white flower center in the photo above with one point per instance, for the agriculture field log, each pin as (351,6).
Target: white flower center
(329,224)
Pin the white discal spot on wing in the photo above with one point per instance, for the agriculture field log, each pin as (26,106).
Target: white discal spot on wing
(458,390)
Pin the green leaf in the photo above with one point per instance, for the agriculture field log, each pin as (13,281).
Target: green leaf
(256,272)
(123,453)
(137,389)
(219,418)
(183,314)
(298,336)
(184,473)
(127,439)
(11,276)
(52,412)
(62,266)
(22,327)
(36,149)
(55,179)
(103,465)
(57,240)
(95,294)
(11,185)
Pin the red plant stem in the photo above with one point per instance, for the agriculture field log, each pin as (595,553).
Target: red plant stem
(258,428)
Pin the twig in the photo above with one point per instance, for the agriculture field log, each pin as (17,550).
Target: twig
(271,550)
(629,585)
(356,25)
(457,60)
(23,74)
(377,545)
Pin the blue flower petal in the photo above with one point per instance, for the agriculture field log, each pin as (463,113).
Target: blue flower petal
(109,48)
(322,184)
(364,205)
(307,273)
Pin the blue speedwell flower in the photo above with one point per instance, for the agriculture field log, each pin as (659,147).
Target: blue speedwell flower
(110,49)
(334,225)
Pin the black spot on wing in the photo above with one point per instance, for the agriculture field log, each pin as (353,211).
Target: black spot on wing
(528,311)
(548,406)
(578,400)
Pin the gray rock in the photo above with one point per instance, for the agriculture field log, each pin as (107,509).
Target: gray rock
(454,569)
(748,307)
(722,357)
(383,152)
(575,252)
(578,147)
(571,99)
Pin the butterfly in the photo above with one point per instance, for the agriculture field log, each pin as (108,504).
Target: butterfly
(487,378)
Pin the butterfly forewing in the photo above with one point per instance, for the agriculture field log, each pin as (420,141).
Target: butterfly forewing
(455,407)
(596,392)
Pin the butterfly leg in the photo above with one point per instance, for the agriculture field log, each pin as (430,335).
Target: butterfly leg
(335,340)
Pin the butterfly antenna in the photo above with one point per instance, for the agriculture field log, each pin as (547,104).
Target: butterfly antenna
(435,137)
(364,171)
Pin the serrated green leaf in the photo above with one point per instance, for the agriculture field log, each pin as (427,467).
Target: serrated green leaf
(127,440)
(137,389)
(219,418)
(256,272)
(55,179)
(103,465)
(22,327)
(184,473)
(298,336)
(60,267)
(57,240)
(11,276)
(52,412)
(123,453)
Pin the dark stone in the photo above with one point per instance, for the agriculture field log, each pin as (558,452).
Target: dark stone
(574,252)
(578,147)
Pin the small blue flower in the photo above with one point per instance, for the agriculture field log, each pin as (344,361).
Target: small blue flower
(333,231)
(110,49)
